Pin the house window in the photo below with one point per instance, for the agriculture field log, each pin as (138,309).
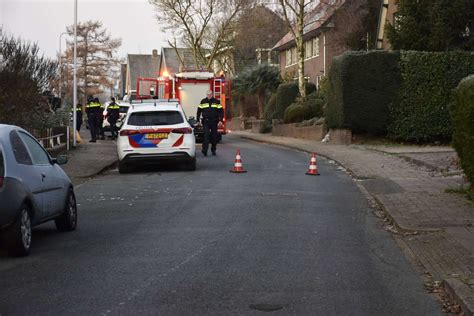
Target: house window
(293,55)
(316,46)
(288,57)
(308,49)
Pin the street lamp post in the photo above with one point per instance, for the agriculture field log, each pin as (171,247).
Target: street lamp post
(74,105)
(60,64)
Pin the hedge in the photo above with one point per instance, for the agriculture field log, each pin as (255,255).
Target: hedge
(286,94)
(310,108)
(362,87)
(462,112)
(428,81)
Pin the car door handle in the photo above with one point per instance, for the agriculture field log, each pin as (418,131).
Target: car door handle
(43,175)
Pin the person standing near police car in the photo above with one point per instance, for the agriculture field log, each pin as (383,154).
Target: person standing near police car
(93,110)
(212,114)
(113,113)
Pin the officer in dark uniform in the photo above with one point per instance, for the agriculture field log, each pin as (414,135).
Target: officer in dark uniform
(100,119)
(93,111)
(212,113)
(113,112)
(78,117)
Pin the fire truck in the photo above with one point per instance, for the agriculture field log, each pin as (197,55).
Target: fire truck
(189,88)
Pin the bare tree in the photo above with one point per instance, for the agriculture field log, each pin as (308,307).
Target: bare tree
(297,16)
(96,54)
(25,82)
(204,26)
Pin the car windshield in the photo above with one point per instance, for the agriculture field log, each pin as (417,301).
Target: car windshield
(123,109)
(155,118)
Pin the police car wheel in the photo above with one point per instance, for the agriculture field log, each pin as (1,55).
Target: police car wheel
(123,168)
(191,165)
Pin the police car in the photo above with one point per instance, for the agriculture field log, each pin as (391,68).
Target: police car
(156,131)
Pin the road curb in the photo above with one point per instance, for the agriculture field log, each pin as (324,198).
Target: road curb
(103,169)
(460,293)
(85,179)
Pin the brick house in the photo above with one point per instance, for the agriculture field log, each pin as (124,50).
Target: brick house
(331,28)
(320,40)
(388,14)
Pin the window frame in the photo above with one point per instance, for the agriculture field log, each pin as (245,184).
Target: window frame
(34,141)
(308,45)
(138,113)
(316,46)
(14,150)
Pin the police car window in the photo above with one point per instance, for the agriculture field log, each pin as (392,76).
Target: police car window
(38,154)
(19,150)
(123,109)
(155,118)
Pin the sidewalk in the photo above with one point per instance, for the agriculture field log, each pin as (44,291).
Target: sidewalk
(89,159)
(409,183)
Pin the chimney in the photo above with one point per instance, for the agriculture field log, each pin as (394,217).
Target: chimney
(155,53)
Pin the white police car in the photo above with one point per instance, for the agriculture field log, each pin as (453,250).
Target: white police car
(156,131)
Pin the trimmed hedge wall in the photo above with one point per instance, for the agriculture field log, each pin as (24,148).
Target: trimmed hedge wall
(462,112)
(286,94)
(310,108)
(362,86)
(428,80)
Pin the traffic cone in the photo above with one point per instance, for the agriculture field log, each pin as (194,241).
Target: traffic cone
(78,137)
(313,166)
(238,168)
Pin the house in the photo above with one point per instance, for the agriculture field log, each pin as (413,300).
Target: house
(320,41)
(172,63)
(122,79)
(141,65)
(388,14)
(328,32)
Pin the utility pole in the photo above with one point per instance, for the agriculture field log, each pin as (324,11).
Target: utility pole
(60,65)
(74,92)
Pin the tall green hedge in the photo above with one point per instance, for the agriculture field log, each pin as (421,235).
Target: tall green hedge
(286,94)
(428,80)
(362,87)
(462,112)
(310,107)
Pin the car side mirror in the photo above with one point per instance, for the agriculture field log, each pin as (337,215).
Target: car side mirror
(60,160)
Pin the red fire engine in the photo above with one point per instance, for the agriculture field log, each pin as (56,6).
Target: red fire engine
(189,88)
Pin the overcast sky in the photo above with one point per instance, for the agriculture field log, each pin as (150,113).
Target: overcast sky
(42,21)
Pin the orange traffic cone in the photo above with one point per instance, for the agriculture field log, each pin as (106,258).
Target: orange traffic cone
(238,168)
(313,166)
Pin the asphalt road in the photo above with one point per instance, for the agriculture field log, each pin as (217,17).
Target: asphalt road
(171,242)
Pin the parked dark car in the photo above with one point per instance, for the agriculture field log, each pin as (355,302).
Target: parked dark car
(33,190)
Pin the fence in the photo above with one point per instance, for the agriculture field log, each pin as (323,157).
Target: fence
(57,142)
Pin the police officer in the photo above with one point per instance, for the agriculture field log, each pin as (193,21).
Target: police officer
(93,110)
(113,112)
(212,113)
(78,117)
(100,119)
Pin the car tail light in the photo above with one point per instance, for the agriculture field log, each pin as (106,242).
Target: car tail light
(184,130)
(129,132)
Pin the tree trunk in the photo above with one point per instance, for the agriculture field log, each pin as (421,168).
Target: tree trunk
(300,49)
